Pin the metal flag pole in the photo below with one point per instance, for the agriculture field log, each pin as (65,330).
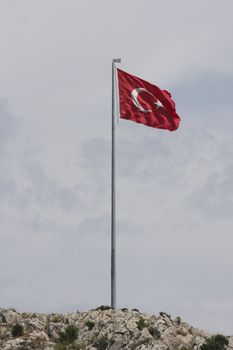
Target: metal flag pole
(113,194)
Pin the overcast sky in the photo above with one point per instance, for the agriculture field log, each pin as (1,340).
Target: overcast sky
(174,190)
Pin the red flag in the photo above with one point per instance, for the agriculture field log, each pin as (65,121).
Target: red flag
(145,103)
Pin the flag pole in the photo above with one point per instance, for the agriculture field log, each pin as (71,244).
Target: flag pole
(113,193)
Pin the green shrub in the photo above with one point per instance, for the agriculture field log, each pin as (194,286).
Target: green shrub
(216,342)
(178,320)
(90,325)
(103,307)
(2,318)
(60,346)
(55,318)
(164,314)
(141,323)
(187,348)
(69,335)
(17,330)
(124,309)
(102,343)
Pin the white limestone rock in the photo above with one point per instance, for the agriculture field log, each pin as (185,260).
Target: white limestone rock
(120,329)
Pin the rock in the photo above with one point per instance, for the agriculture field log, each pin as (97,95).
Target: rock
(185,341)
(159,346)
(131,325)
(198,341)
(115,329)
(230,345)
(183,331)
(10,316)
(34,324)
(13,344)
(154,332)
(39,336)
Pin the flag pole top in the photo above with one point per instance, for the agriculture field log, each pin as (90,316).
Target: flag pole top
(116,60)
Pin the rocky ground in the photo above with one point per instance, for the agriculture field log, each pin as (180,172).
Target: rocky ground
(98,330)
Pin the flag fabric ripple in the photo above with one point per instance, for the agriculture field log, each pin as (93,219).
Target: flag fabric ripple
(142,102)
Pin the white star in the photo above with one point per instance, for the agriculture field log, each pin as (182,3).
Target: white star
(158,104)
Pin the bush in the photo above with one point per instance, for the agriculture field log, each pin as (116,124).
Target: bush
(124,309)
(102,343)
(60,346)
(187,348)
(55,318)
(89,324)
(141,323)
(17,330)
(164,314)
(69,335)
(103,307)
(216,342)
(178,320)
(2,318)
(135,310)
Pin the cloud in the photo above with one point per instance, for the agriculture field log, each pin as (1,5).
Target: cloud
(8,126)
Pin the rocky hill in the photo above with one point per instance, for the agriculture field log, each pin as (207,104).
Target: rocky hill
(98,329)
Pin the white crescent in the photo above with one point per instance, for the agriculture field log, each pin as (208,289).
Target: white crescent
(134,95)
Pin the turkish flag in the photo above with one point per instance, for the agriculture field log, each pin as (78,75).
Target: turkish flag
(145,103)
